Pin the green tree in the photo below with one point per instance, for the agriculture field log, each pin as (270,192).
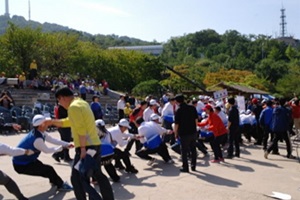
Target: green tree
(21,46)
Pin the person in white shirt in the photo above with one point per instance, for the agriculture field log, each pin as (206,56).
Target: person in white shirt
(120,137)
(120,106)
(151,132)
(222,115)
(106,139)
(168,113)
(35,140)
(5,180)
(200,104)
(153,105)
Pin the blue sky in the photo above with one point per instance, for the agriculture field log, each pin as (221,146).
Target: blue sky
(162,19)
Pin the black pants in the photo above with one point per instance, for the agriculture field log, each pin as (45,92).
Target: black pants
(138,144)
(111,170)
(121,155)
(234,139)
(37,168)
(168,138)
(267,132)
(216,146)
(259,134)
(162,150)
(10,185)
(81,186)
(121,114)
(200,146)
(65,135)
(278,136)
(188,144)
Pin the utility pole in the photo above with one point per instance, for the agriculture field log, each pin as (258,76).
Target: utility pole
(29,11)
(6,9)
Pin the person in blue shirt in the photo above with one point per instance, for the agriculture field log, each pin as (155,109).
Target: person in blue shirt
(265,120)
(280,125)
(35,141)
(96,107)
(5,180)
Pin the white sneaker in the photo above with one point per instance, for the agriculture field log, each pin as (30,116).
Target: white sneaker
(150,162)
(266,154)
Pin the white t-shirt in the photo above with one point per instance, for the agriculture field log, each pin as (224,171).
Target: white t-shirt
(149,129)
(118,136)
(147,113)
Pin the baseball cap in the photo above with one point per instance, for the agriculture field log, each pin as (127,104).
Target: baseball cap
(207,107)
(153,102)
(38,120)
(254,101)
(125,123)
(99,122)
(154,116)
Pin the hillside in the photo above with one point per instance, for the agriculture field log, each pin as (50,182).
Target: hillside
(104,41)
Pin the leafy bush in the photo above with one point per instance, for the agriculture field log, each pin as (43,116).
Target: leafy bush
(147,87)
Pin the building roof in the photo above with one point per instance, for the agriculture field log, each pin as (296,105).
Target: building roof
(152,49)
(238,88)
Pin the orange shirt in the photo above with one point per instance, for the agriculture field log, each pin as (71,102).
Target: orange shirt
(215,124)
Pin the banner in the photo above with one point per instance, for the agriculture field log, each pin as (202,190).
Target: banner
(220,94)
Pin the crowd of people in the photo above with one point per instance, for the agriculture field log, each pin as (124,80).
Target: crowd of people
(155,126)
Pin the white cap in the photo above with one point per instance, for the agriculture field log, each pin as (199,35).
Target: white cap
(154,116)
(38,120)
(125,123)
(153,102)
(210,99)
(201,97)
(99,122)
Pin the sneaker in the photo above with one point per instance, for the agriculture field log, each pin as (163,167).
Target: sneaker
(68,160)
(193,168)
(132,170)
(221,159)
(116,179)
(170,161)
(266,155)
(184,170)
(150,162)
(65,187)
(291,157)
(215,161)
(56,158)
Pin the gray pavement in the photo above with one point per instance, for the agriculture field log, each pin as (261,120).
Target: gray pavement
(249,177)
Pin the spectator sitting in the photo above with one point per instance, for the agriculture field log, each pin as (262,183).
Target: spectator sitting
(127,110)
(6,100)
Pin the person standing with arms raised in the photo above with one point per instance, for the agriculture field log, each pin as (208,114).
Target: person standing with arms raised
(85,135)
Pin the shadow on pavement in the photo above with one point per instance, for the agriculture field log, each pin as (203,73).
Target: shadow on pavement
(52,193)
(131,179)
(241,168)
(216,179)
(120,192)
(267,164)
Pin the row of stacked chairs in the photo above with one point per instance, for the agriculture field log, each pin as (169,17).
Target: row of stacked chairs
(23,115)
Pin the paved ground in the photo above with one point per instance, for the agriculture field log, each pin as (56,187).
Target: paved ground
(248,177)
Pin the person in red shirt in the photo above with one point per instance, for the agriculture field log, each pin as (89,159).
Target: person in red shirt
(136,114)
(216,126)
(296,115)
